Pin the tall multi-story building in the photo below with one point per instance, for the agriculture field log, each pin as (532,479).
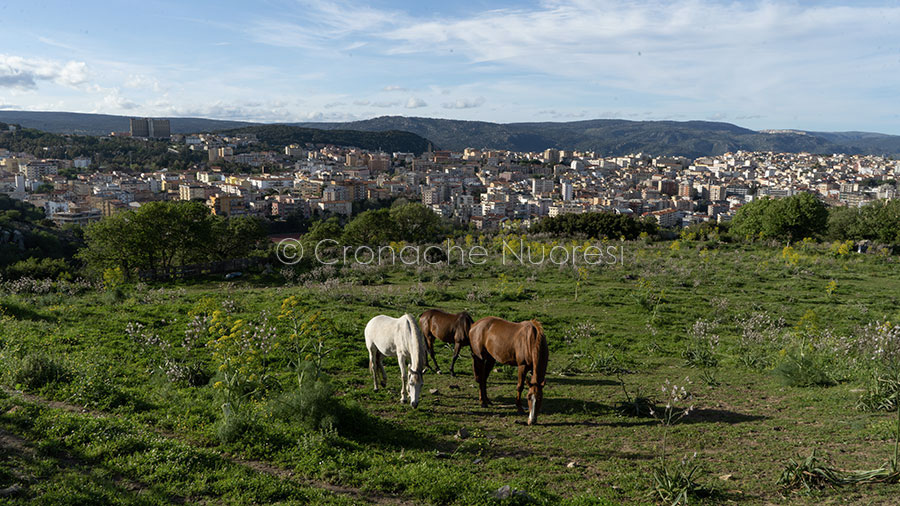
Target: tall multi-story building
(568,191)
(150,128)
(542,186)
(716,192)
(36,170)
(551,155)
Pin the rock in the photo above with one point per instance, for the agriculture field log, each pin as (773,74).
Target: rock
(477,461)
(433,391)
(503,492)
(462,433)
(571,465)
(11,490)
(725,477)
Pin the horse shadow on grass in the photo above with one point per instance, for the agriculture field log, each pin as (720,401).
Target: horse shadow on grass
(584,381)
(720,416)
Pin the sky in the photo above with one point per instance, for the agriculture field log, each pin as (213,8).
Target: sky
(812,65)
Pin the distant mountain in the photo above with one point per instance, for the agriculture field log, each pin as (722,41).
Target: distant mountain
(277,136)
(103,124)
(610,137)
(618,137)
(42,143)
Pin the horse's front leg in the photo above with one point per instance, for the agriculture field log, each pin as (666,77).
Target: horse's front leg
(401,360)
(373,367)
(519,387)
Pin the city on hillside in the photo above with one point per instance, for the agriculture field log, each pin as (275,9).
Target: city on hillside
(485,188)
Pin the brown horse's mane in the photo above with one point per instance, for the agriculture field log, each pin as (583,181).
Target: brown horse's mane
(538,326)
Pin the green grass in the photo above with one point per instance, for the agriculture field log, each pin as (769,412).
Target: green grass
(143,429)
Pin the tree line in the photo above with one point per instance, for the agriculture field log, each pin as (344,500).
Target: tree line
(803,215)
(159,236)
(595,224)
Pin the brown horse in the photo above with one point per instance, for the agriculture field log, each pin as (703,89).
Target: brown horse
(520,344)
(449,328)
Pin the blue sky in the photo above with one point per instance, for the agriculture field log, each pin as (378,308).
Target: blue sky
(828,65)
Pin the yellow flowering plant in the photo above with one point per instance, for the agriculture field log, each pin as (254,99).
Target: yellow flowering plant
(240,348)
(305,333)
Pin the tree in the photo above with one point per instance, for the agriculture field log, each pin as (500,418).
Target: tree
(791,218)
(370,228)
(160,235)
(598,225)
(416,223)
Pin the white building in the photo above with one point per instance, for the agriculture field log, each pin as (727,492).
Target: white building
(568,191)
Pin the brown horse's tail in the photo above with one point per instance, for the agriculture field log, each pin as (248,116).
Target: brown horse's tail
(463,325)
(540,354)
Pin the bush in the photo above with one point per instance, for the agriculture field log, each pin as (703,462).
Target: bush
(36,371)
(313,405)
(232,426)
(44,268)
(804,369)
(881,392)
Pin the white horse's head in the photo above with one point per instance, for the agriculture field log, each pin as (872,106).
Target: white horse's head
(415,382)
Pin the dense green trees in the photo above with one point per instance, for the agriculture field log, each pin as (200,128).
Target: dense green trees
(791,218)
(410,222)
(597,225)
(161,235)
(278,136)
(26,237)
(115,151)
(878,221)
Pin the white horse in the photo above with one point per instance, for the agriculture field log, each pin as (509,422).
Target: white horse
(401,338)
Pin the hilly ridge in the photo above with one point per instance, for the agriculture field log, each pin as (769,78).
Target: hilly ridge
(609,137)
(614,137)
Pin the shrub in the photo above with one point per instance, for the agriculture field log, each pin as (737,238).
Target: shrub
(702,346)
(312,405)
(232,426)
(35,371)
(804,368)
(881,392)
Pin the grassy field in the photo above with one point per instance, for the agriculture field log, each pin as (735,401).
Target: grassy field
(779,345)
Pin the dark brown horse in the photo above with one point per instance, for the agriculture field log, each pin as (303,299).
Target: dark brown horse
(448,327)
(520,344)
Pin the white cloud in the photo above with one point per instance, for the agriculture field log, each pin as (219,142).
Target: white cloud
(394,87)
(415,103)
(142,81)
(464,103)
(320,23)
(24,73)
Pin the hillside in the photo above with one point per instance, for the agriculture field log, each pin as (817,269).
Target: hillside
(618,137)
(277,136)
(610,137)
(103,124)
